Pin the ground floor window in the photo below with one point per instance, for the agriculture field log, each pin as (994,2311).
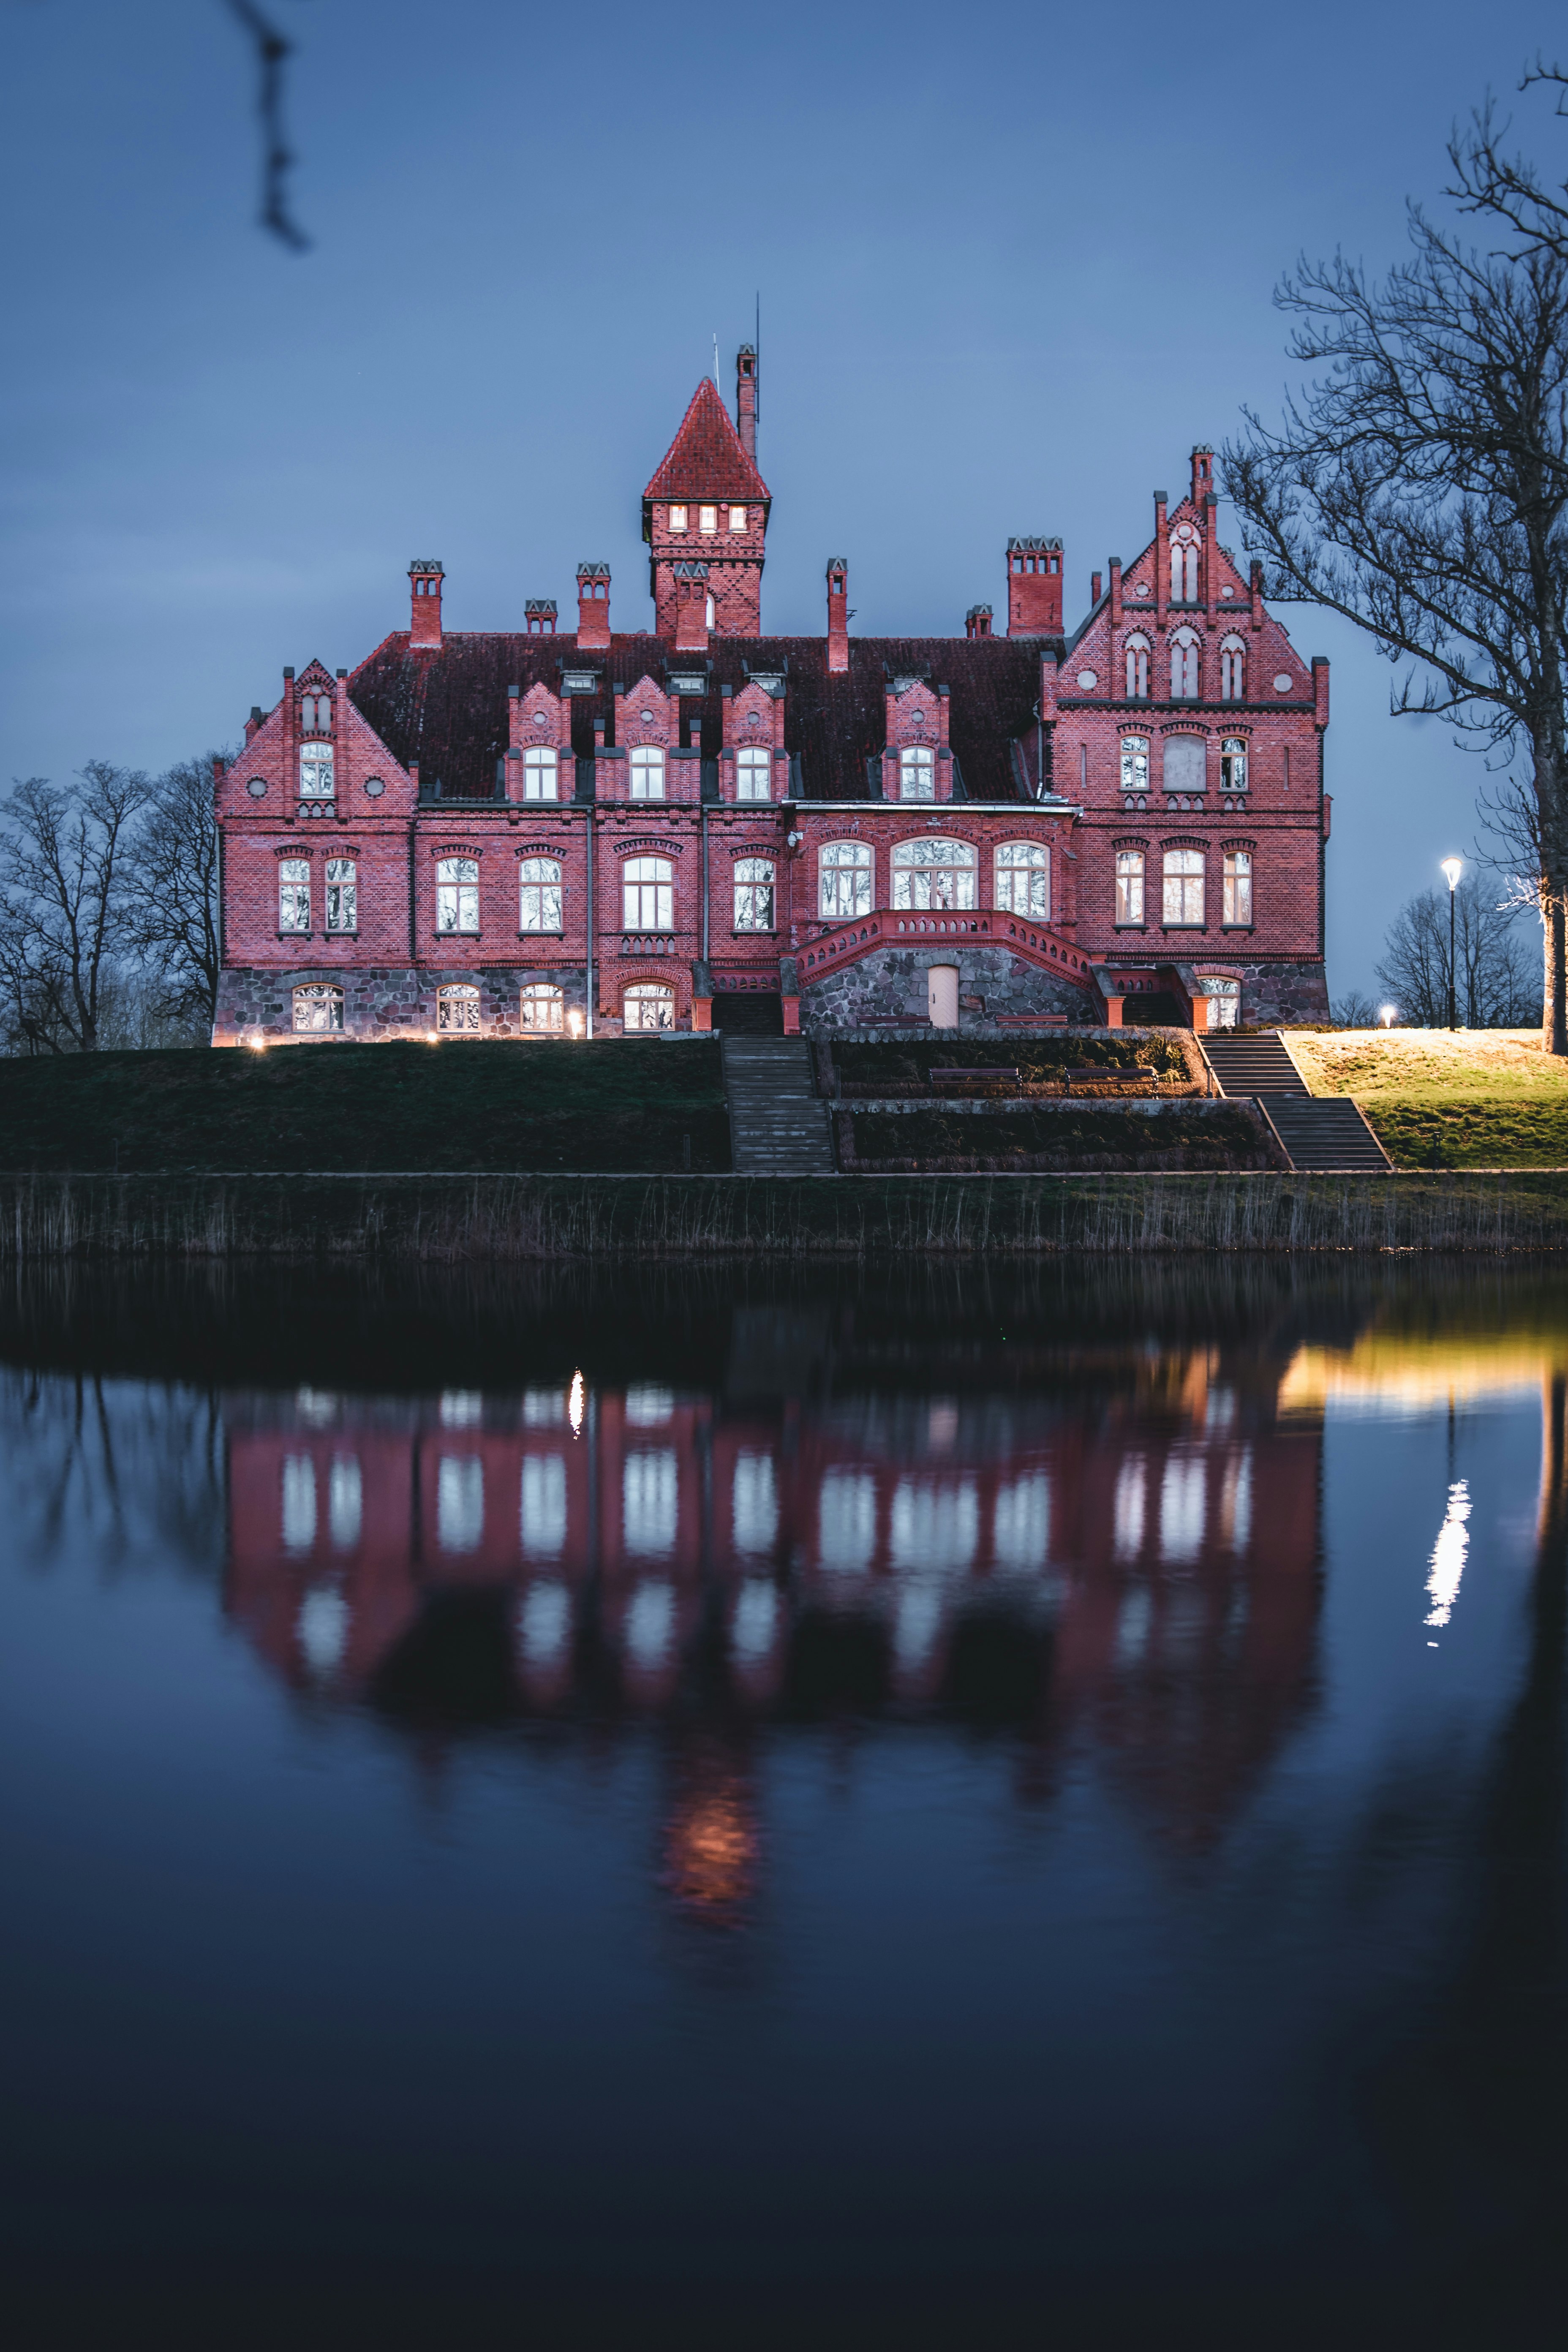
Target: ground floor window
(457,1009)
(933,873)
(1225,999)
(317,1007)
(649,1006)
(543,1011)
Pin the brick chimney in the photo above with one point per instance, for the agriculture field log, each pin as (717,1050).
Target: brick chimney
(539,616)
(977,621)
(1034,587)
(1203,474)
(691,607)
(746,399)
(838,613)
(593,607)
(425,580)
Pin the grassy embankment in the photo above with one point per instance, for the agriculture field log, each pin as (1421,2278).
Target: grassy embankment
(1478,1098)
(615,1106)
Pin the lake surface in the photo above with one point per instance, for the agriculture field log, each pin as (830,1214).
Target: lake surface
(901,1799)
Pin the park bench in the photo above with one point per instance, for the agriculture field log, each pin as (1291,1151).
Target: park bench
(947,1073)
(1104,1077)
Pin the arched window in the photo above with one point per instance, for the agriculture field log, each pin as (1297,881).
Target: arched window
(843,870)
(540,776)
(754,894)
(1138,670)
(1184,565)
(1184,666)
(539,895)
(1233,765)
(1024,879)
(1237,887)
(751,778)
(647,890)
(648,772)
(543,1010)
(342,894)
(1184,899)
(1233,671)
(917,773)
(317,1008)
(457,894)
(458,1010)
(649,1006)
(294,894)
(933,873)
(315,714)
(316,780)
(1224,999)
(1135,763)
(1130,886)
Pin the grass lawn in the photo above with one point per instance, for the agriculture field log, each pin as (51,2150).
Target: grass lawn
(1481,1099)
(904,1064)
(1024,1140)
(616,1105)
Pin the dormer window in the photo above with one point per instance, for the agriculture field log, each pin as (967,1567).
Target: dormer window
(315,714)
(916,774)
(316,779)
(736,518)
(677,517)
(707,521)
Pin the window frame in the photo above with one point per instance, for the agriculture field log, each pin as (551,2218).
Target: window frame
(1185,647)
(342,876)
(321,758)
(677,517)
(1037,867)
(1137,651)
(1232,756)
(907,870)
(1232,670)
(1238,875)
(1184,877)
(918,759)
(707,521)
(448,997)
(1135,753)
(752,761)
(536,992)
(294,876)
(1129,873)
(457,894)
(659,885)
(540,760)
(329,995)
(646,760)
(540,887)
(859,866)
(741,512)
(749,889)
(647,992)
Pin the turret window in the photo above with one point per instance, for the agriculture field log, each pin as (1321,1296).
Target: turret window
(316,779)
(538,908)
(844,869)
(294,894)
(752,783)
(932,874)
(754,894)
(648,772)
(540,775)
(457,894)
(736,518)
(1137,669)
(342,894)
(1024,879)
(916,774)
(707,521)
(677,517)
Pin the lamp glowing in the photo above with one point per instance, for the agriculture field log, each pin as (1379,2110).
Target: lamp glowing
(575,1025)
(432,1036)
(1385,1013)
(257,1045)
(1453,867)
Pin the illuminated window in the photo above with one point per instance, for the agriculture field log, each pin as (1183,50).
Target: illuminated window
(650,1492)
(1237,886)
(648,891)
(707,521)
(844,868)
(541,1514)
(677,517)
(317,1008)
(934,874)
(342,894)
(542,1010)
(459,1502)
(916,774)
(736,518)
(538,908)
(752,777)
(457,1010)
(316,782)
(648,772)
(457,894)
(539,775)
(1130,886)
(1024,879)
(754,894)
(1233,765)
(1183,892)
(1233,671)
(294,894)
(649,1006)
(1137,669)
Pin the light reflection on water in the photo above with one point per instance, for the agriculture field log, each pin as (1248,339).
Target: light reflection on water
(729,1701)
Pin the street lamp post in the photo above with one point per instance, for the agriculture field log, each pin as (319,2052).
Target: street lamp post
(1453,867)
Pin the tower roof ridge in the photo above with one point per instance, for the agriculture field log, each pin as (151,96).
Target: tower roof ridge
(706,460)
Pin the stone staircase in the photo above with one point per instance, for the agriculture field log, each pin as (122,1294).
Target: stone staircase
(1325,1134)
(778,1125)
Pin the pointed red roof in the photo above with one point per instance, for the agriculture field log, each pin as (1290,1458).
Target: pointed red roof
(705,460)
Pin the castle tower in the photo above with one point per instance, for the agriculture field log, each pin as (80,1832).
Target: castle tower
(708,504)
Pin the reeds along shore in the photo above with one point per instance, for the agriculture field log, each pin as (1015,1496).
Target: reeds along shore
(453,1218)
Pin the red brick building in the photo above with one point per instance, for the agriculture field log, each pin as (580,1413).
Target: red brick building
(535,832)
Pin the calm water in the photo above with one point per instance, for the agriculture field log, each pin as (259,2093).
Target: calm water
(905,1798)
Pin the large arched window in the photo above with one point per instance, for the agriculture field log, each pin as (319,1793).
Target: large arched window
(294,894)
(1184,565)
(539,895)
(648,772)
(917,773)
(751,780)
(317,1008)
(933,873)
(754,894)
(541,1010)
(316,777)
(844,868)
(1128,885)
(1184,895)
(648,892)
(342,894)
(1024,879)
(1138,670)
(649,1005)
(1184,666)
(457,894)
(457,1010)
(1233,671)
(1135,763)
(541,774)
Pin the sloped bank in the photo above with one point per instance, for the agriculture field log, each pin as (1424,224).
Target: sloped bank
(454,1216)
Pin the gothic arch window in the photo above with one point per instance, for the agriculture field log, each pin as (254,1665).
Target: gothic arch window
(457,1010)
(1233,671)
(709,612)
(318,1009)
(934,874)
(539,895)
(1183,564)
(1023,880)
(315,714)
(754,894)
(542,1009)
(648,893)
(917,773)
(457,894)
(844,872)
(1184,666)
(541,773)
(1138,670)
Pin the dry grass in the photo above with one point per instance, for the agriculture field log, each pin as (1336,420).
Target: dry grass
(1474,1099)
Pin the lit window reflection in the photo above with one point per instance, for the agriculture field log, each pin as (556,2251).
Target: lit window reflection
(541,1514)
(846,1521)
(461,1408)
(1127,1509)
(756,1619)
(648,1492)
(934,1526)
(544,1622)
(459,1503)
(323,1630)
(298,1503)
(1022,1528)
(345,1503)
(1448,1555)
(1182,1499)
(651,1624)
(755,1504)
(648,1408)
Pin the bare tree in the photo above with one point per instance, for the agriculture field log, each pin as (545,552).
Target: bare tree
(174,861)
(1352,1010)
(65,903)
(1494,979)
(1420,486)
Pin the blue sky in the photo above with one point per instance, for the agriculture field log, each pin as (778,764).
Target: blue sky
(1013,264)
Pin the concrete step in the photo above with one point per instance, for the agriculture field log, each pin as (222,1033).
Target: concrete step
(1326,1134)
(1252,1066)
(778,1125)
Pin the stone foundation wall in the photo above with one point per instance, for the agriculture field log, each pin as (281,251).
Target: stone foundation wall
(386,1001)
(890,985)
(1277,992)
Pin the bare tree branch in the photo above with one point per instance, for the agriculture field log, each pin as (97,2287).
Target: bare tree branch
(273,50)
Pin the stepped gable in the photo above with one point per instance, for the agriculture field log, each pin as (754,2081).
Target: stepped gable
(447,711)
(706,460)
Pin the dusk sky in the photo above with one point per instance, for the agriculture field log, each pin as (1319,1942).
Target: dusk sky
(1012,263)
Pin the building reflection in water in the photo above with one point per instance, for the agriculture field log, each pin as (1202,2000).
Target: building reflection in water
(1118,1549)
